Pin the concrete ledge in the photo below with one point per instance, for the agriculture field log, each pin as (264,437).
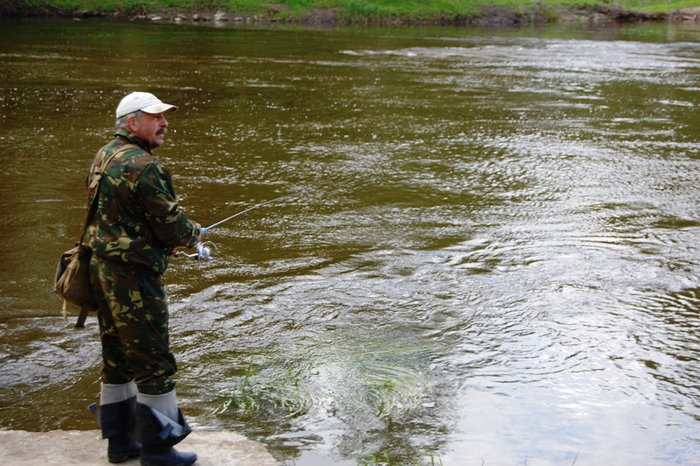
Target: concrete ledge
(86,447)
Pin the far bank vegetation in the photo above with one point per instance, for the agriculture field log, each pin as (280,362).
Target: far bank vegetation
(343,12)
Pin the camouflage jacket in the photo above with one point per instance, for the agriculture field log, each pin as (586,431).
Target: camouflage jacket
(137,220)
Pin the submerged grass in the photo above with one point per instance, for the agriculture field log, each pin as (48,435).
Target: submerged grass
(385,459)
(352,10)
(375,386)
(381,388)
(278,391)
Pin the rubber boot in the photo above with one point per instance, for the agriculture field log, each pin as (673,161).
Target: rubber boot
(116,415)
(160,425)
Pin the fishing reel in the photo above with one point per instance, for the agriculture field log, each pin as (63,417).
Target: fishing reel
(203,251)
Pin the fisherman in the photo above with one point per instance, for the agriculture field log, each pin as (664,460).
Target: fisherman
(136,227)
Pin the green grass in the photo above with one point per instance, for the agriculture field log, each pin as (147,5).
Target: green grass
(656,6)
(386,460)
(356,11)
(351,9)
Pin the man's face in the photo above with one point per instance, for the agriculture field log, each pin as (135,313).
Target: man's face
(149,127)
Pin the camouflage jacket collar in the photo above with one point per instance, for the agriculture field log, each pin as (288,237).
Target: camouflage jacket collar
(133,139)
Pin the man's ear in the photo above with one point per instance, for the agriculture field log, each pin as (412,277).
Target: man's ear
(131,123)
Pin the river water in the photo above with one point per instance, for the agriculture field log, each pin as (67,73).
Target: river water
(492,255)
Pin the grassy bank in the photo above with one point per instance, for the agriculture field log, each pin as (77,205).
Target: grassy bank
(358,11)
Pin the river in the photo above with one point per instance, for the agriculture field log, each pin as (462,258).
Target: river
(492,255)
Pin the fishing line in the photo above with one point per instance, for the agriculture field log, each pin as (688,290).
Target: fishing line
(204,248)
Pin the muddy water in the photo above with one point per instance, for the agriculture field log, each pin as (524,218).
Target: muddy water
(492,257)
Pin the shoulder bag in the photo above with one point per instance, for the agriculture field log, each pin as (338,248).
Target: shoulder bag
(73,271)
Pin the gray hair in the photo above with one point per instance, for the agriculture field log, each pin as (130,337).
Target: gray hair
(121,122)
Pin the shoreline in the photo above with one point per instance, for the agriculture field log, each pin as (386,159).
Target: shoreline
(88,448)
(495,17)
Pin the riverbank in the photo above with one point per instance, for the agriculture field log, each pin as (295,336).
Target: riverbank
(85,447)
(537,13)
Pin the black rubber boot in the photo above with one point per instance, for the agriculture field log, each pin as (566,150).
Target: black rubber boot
(167,456)
(122,448)
(158,433)
(118,421)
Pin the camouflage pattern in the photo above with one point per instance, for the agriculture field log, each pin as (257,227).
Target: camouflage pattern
(138,220)
(136,224)
(133,318)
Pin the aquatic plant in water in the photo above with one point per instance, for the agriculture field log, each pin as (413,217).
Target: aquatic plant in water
(385,460)
(380,383)
(276,392)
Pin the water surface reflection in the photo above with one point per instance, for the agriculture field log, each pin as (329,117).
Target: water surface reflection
(492,257)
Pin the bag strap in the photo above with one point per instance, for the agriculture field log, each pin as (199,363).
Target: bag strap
(95,183)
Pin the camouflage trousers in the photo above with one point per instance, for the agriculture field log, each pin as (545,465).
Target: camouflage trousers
(133,317)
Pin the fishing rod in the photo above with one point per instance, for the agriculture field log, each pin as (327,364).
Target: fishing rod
(243,212)
(204,251)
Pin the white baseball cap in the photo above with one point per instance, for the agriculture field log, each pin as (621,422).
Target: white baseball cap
(144,101)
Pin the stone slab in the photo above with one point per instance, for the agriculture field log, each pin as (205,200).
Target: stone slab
(86,447)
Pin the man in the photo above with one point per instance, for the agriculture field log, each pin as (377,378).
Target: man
(136,226)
